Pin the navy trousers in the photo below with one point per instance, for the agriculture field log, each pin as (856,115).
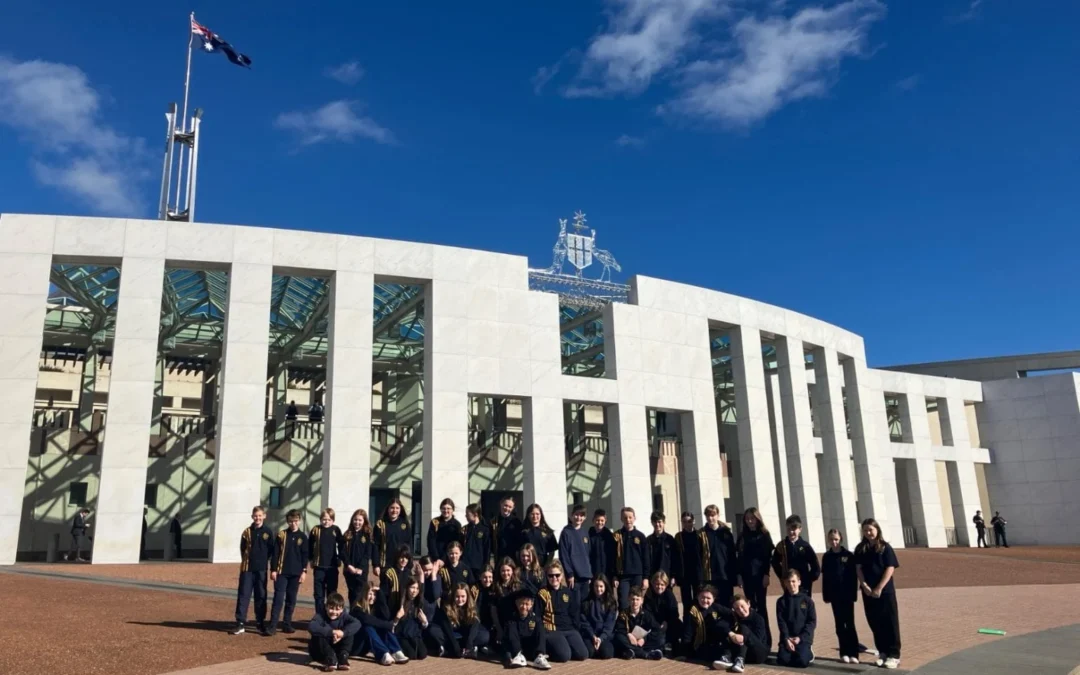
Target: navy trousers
(251,583)
(325,583)
(800,658)
(285,588)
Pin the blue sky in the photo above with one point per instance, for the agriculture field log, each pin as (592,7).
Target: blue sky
(907,170)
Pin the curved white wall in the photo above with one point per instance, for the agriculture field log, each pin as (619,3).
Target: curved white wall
(657,355)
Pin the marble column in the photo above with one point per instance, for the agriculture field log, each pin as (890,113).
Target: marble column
(963,484)
(346,459)
(776,428)
(869,441)
(544,458)
(922,474)
(25,262)
(446,400)
(839,488)
(121,495)
(752,418)
(242,408)
(802,468)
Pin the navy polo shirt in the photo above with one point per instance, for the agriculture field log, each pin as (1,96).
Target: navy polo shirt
(874,563)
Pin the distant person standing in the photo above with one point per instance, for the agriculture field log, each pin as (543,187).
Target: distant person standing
(980,528)
(998,523)
(315,414)
(177,533)
(78,534)
(142,542)
(290,418)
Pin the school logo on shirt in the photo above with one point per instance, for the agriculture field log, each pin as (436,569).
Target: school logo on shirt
(566,597)
(636,540)
(265,536)
(585,539)
(802,605)
(299,541)
(464,573)
(532,625)
(800,549)
(843,559)
(479,535)
(363,540)
(714,615)
(403,526)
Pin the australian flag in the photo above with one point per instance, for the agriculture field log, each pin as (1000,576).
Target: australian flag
(212,42)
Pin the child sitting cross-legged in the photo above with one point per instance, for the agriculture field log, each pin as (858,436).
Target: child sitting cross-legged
(747,641)
(378,628)
(332,633)
(637,633)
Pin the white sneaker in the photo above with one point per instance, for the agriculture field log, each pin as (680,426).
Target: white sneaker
(892,663)
(399,657)
(387,660)
(845,659)
(541,663)
(737,667)
(519,661)
(812,656)
(880,662)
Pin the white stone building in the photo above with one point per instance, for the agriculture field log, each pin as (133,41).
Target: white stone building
(151,364)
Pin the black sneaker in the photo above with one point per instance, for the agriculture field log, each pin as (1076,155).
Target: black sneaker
(287,628)
(262,629)
(269,632)
(237,630)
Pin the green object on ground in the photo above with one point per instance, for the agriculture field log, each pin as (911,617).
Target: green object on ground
(991,631)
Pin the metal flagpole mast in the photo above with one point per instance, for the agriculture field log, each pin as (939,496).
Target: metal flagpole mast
(183,114)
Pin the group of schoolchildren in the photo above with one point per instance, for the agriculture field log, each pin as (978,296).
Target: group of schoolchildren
(496,589)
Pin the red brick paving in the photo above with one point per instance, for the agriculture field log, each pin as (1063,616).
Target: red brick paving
(113,630)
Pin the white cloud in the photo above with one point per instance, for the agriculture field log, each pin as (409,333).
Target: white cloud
(644,38)
(777,60)
(56,111)
(971,14)
(724,62)
(335,121)
(909,83)
(628,141)
(348,73)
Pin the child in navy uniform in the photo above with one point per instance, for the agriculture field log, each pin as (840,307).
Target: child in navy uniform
(747,641)
(687,561)
(840,590)
(442,530)
(755,550)
(705,627)
(290,568)
(332,635)
(412,620)
(875,563)
(559,607)
(378,628)
(391,533)
(325,542)
(661,546)
(357,553)
(796,618)
(453,572)
(392,583)
(660,601)
(793,553)
(256,549)
(601,546)
(598,615)
(531,572)
(632,560)
(719,564)
(526,638)
(637,633)
(574,554)
(506,530)
(456,628)
(536,531)
(476,542)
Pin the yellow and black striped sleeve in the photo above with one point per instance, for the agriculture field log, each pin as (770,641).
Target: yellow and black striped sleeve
(706,556)
(314,547)
(282,540)
(699,626)
(548,608)
(618,553)
(245,549)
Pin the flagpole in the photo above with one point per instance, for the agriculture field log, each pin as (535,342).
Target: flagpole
(183,114)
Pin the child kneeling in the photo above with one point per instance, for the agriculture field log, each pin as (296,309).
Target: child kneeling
(747,641)
(796,618)
(456,628)
(637,633)
(332,633)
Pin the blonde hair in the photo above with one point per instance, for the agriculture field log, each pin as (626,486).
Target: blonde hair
(328,512)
